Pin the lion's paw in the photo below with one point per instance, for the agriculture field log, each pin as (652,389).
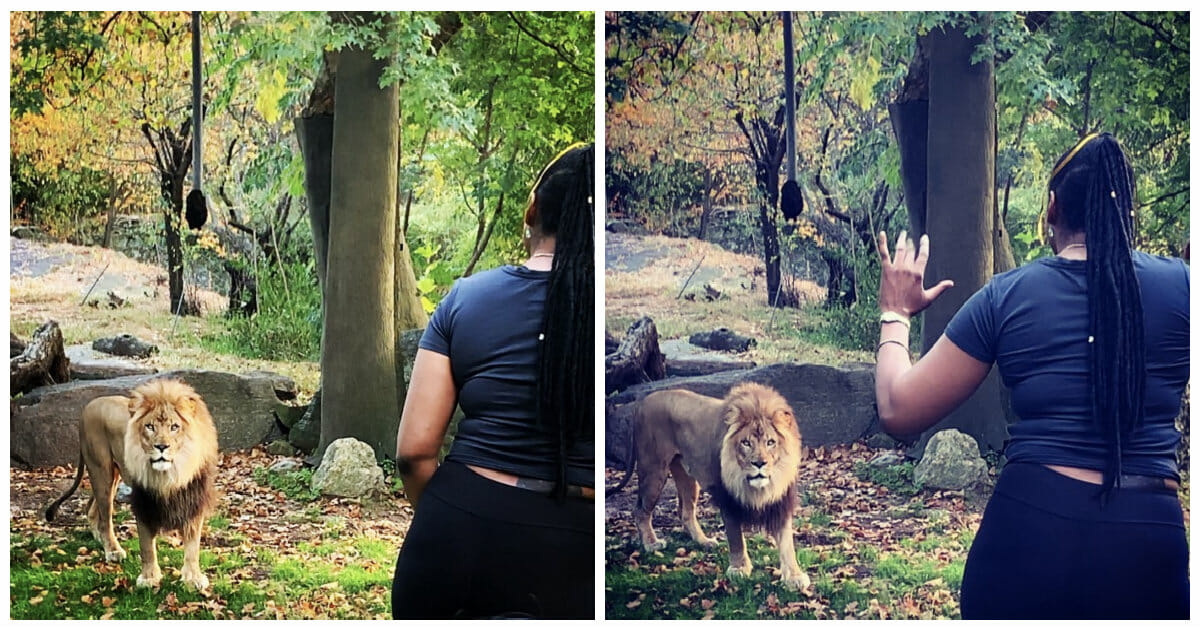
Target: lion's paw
(196,580)
(797,582)
(707,542)
(116,555)
(738,571)
(657,545)
(149,581)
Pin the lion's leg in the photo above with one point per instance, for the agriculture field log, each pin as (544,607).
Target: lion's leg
(793,576)
(651,480)
(689,492)
(192,575)
(739,558)
(151,575)
(104,489)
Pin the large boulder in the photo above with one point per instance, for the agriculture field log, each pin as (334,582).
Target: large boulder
(44,428)
(348,469)
(833,405)
(951,462)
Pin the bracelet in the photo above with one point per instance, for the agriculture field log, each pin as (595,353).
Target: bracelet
(887,341)
(888,317)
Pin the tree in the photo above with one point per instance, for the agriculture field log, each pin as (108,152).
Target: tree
(960,209)
(358,344)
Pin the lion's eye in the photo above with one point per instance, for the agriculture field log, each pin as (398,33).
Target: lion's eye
(770,442)
(745,442)
(175,428)
(149,428)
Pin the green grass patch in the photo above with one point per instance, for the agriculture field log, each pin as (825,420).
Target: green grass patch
(295,484)
(897,478)
(67,578)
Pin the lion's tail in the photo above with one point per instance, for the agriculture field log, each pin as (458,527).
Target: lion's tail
(52,509)
(630,457)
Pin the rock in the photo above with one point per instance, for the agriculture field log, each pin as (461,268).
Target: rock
(348,469)
(287,414)
(123,493)
(951,462)
(882,440)
(15,345)
(125,345)
(832,405)
(722,339)
(886,459)
(285,387)
(285,465)
(89,365)
(45,422)
(702,367)
(281,447)
(306,433)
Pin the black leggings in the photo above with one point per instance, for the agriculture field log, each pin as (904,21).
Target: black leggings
(479,549)
(1047,549)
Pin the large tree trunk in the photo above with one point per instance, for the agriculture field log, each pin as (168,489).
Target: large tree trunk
(909,115)
(358,349)
(315,133)
(960,211)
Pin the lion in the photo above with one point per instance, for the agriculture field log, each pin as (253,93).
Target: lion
(162,440)
(745,450)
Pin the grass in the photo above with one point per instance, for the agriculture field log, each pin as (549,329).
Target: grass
(861,583)
(897,478)
(347,578)
(782,334)
(295,484)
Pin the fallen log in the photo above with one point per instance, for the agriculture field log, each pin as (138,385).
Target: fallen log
(638,358)
(43,362)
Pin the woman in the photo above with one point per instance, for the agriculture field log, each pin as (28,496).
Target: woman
(1093,343)
(505,526)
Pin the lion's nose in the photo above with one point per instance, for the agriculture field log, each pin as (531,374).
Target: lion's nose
(161,447)
(759,463)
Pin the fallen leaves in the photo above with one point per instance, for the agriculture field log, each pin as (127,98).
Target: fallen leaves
(844,526)
(256,524)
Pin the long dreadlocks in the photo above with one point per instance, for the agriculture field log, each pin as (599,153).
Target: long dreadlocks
(566,370)
(1093,185)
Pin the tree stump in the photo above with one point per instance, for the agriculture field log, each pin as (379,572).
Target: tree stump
(43,362)
(15,345)
(637,360)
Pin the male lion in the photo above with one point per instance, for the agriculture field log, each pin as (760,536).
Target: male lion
(163,441)
(745,450)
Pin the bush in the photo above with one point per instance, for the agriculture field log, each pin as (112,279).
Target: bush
(61,201)
(287,325)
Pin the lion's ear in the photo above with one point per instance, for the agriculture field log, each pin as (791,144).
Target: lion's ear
(136,400)
(186,406)
(784,418)
(730,414)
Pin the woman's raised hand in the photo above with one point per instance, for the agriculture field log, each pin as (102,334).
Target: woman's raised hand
(901,286)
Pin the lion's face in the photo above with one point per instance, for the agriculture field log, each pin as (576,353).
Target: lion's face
(170,435)
(760,454)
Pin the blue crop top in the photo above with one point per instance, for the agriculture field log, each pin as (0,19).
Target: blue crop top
(1032,321)
(488,324)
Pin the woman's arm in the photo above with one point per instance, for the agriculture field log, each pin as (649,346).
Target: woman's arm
(912,398)
(427,408)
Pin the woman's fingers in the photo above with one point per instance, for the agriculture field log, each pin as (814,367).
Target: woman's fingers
(933,292)
(923,255)
(900,243)
(881,244)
